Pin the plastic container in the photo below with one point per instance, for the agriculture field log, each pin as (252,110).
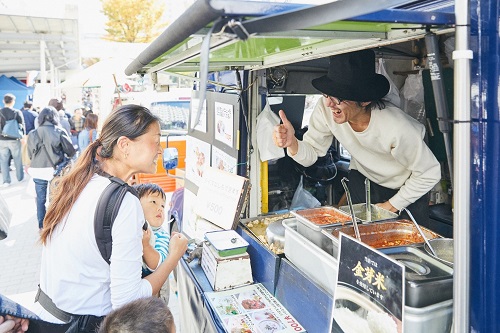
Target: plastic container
(314,262)
(227,242)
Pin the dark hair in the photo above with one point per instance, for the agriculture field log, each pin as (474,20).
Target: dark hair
(130,121)
(145,315)
(91,121)
(48,114)
(56,103)
(149,188)
(27,105)
(8,98)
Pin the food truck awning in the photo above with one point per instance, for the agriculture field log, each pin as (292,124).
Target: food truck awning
(255,35)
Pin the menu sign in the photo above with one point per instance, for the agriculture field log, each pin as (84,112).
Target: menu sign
(369,295)
(252,309)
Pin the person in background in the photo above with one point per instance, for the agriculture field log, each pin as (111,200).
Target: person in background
(29,117)
(63,121)
(77,124)
(145,315)
(387,145)
(47,146)
(89,132)
(75,281)
(153,199)
(9,146)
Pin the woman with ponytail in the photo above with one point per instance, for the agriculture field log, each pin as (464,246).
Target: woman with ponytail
(75,279)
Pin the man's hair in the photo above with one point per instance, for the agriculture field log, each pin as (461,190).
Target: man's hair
(9,98)
(145,315)
(27,105)
(149,188)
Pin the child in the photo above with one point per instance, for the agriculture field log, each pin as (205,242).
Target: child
(145,315)
(156,239)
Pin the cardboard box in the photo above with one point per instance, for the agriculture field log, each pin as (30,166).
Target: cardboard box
(225,273)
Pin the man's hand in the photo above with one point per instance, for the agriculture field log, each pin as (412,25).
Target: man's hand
(387,206)
(284,135)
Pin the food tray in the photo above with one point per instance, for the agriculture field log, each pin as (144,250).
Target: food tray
(321,217)
(428,281)
(383,234)
(257,227)
(315,263)
(378,213)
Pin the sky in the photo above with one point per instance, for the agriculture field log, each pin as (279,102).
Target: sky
(90,16)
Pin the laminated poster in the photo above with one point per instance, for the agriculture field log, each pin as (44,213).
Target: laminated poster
(369,295)
(252,309)
(197,159)
(202,123)
(223,161)
(194,226)
(224,121)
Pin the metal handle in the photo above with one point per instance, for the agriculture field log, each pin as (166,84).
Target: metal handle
(368,201)
(420,230)
(349,202)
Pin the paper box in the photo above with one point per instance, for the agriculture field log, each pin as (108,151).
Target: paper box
(225,273)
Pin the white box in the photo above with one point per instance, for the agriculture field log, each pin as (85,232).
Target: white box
(225,273)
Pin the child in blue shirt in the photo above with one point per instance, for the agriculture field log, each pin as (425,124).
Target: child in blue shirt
(156,240)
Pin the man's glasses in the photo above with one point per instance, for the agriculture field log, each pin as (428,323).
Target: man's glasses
(335,100)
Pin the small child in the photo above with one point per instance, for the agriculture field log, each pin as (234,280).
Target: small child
(156,240)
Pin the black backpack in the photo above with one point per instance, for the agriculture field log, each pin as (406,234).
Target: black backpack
(106,211)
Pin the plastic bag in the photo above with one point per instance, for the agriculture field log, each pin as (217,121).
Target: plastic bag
(303,199)
(393,94)
(413,97)
(266,121)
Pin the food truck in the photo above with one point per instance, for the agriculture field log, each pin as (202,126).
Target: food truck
(246,57)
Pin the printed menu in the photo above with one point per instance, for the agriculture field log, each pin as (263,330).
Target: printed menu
(252,309)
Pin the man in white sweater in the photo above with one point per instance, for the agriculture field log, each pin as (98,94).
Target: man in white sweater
(387,145)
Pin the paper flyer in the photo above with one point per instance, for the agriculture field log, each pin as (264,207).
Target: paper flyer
(193,225)
(224,120)
(223,161)
(252,309)
(197,159)
(202,123)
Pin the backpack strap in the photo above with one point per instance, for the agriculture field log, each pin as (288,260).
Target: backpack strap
(107,208)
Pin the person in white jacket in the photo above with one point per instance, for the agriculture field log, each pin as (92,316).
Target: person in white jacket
(386,145)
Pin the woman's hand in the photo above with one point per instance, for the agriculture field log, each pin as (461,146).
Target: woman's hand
(178,245)
(9,324)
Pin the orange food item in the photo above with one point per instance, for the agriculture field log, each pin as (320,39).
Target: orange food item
(322,216)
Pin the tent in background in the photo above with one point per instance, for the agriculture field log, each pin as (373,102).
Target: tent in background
(15,87)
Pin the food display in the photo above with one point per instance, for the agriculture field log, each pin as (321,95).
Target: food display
(385,234)
(258,228)
(324,215)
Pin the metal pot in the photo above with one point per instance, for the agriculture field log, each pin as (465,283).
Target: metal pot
(275,233)
(443,247)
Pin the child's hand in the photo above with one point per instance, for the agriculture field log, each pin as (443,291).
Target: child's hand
(178,245)
(146,236)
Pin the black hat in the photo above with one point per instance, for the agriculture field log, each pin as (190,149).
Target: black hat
(352,76)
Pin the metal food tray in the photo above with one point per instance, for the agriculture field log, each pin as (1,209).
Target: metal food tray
(258,230)
(378,213)
(428,281)
(383,234)
(321,217)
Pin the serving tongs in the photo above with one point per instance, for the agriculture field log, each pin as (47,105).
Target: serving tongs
(421,232)
(368,201)
(349,202)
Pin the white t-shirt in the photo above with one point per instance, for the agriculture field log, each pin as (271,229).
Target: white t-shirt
(390,152)
(73,272)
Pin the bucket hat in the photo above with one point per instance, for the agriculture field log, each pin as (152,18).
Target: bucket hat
(352,76)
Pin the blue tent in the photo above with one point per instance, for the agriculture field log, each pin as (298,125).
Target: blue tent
(17,88)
